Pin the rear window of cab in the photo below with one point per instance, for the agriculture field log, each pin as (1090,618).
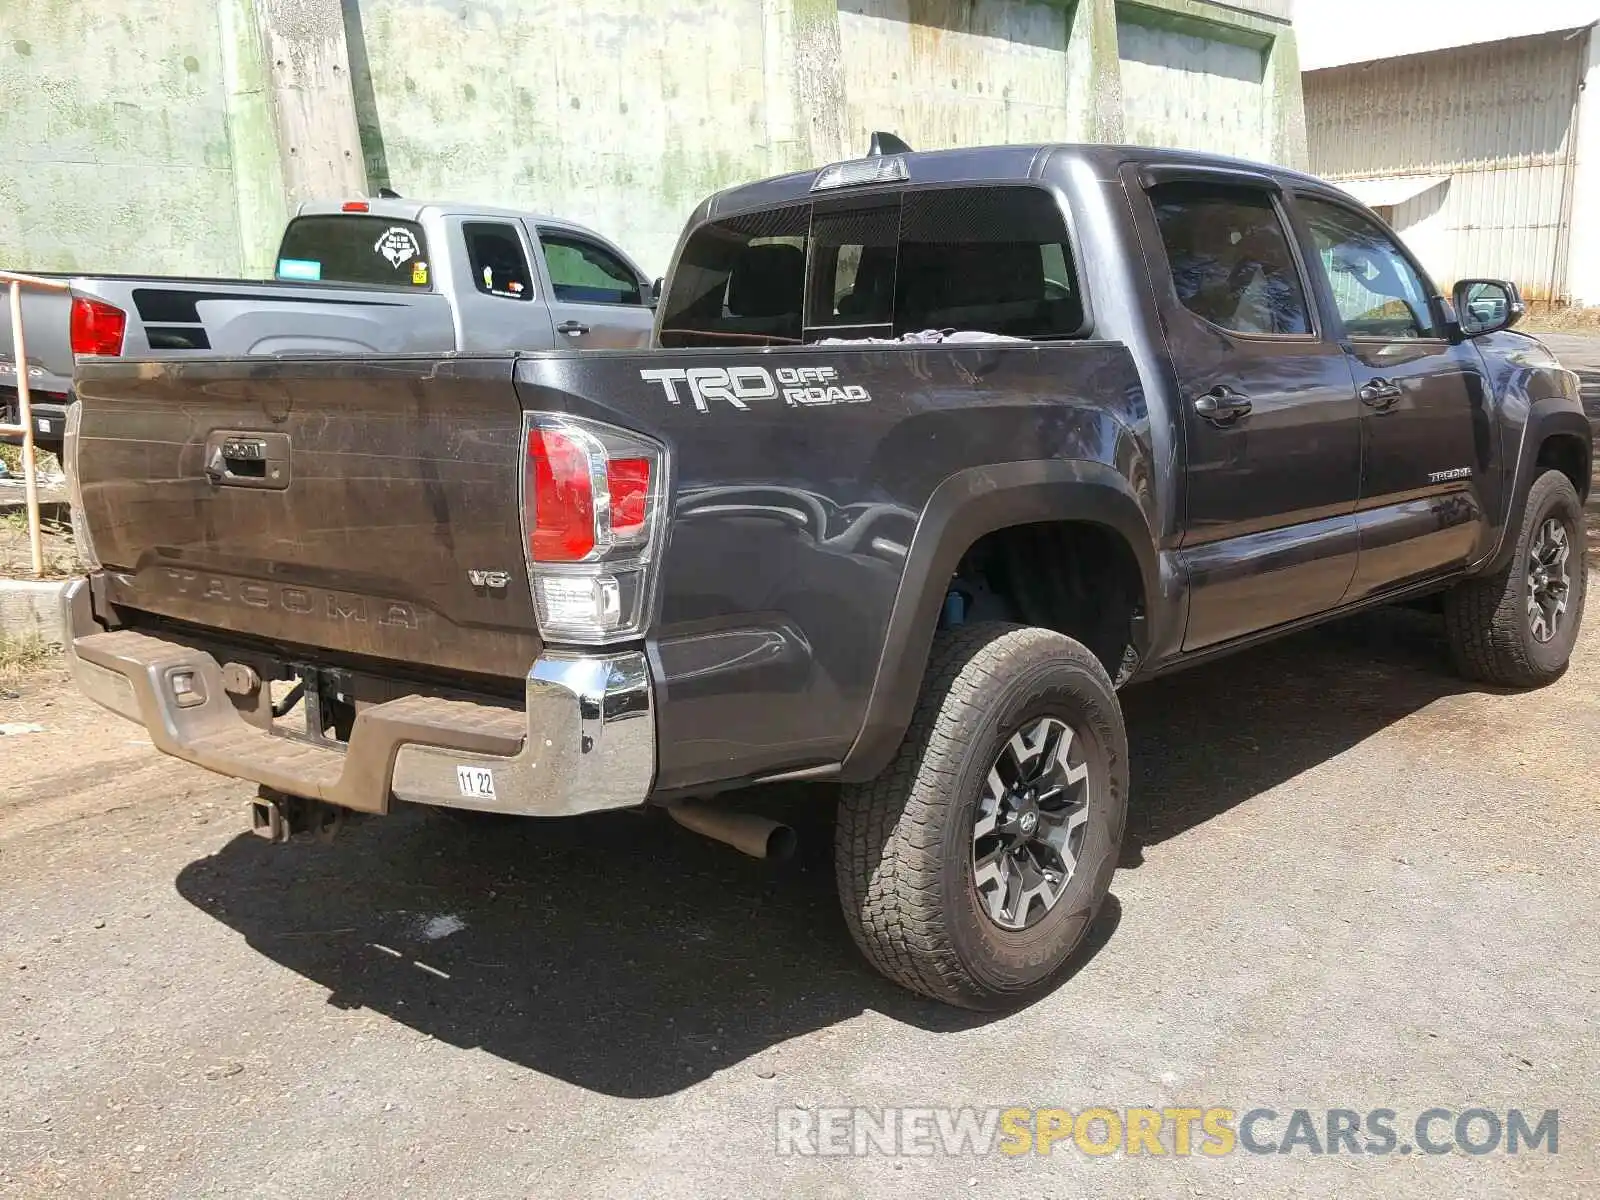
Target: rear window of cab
(991,259)
(363,250)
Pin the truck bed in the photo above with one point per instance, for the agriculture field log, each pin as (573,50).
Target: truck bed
(169,316)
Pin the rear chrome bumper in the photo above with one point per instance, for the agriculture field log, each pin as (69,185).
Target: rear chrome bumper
(584,741)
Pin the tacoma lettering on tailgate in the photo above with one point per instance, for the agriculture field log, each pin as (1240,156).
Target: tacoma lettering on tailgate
(302,601)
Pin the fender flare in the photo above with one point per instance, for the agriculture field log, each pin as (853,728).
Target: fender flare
(962,509)
(1547,418)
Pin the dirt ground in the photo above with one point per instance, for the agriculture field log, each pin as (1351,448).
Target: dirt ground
(1350,881)
(16,551)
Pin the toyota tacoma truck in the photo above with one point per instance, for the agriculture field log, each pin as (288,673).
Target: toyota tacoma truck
(934,454)
(382,276)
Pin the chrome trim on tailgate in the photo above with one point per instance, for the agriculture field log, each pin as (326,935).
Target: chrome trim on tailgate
(587,732)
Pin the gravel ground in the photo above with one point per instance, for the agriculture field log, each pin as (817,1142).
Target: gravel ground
(1350,881)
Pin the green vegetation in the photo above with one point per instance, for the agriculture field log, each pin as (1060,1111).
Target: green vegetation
(19,656)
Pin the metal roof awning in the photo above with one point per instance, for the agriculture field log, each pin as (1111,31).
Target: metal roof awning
(1387,191)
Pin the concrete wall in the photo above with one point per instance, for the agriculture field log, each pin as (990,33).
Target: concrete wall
(635,110)
(989,71)
(1193,91)
(170,135)
(114,123)
(623,118)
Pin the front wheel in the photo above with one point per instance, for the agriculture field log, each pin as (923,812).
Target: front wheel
(971,869)
(1517,627)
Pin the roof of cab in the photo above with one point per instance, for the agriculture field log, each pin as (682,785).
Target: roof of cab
(988,164)
(412,210)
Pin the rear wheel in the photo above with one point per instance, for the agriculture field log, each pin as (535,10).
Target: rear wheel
(973,866)
(1517,627)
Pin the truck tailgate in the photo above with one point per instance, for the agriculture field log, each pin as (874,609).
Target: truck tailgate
(45,321)
(345,503)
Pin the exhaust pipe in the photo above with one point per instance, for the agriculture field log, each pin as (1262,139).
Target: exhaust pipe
(755,836)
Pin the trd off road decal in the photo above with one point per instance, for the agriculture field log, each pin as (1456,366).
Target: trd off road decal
(795,386)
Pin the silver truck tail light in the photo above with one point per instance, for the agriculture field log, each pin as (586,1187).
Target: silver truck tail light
(96,328)
(83,543)
(591,516)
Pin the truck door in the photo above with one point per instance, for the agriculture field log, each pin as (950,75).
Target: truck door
(1271,423)
(497,305)
(1427,446)
(596,299)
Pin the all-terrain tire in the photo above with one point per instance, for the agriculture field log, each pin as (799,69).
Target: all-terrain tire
(1491,633)
(903,847)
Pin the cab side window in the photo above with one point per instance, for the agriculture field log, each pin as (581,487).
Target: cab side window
(1230,258)
(1375,288)
(499,264)
(584,273)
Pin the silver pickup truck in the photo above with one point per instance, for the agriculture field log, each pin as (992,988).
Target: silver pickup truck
(382,276)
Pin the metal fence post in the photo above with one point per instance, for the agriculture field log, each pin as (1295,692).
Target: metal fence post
(24,429)
(30,474)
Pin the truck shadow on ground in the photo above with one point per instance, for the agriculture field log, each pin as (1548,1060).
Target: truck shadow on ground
(1206,740)
(628,956)
(617,952)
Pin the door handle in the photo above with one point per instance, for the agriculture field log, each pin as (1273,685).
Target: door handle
(1379,393)
(1222,405)
(572,328)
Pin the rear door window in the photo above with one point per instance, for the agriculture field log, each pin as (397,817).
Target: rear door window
(584,273)
(366,251)
(499,263)
(1230,258)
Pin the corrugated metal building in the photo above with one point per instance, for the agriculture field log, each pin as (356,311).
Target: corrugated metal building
(1476,154)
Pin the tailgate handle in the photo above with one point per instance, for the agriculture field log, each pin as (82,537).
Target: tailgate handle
(253,460)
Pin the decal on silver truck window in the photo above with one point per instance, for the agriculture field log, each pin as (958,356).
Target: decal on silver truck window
(796,386)
(398,245)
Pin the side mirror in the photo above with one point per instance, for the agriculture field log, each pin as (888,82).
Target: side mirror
(1487,306)
(653,291)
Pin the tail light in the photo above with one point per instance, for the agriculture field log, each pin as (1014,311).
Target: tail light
(97,328)
(591,510)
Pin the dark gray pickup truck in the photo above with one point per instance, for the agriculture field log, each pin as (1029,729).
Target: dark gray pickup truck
(1188,404)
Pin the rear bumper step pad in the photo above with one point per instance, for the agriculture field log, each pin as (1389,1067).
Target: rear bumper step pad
(584,741)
